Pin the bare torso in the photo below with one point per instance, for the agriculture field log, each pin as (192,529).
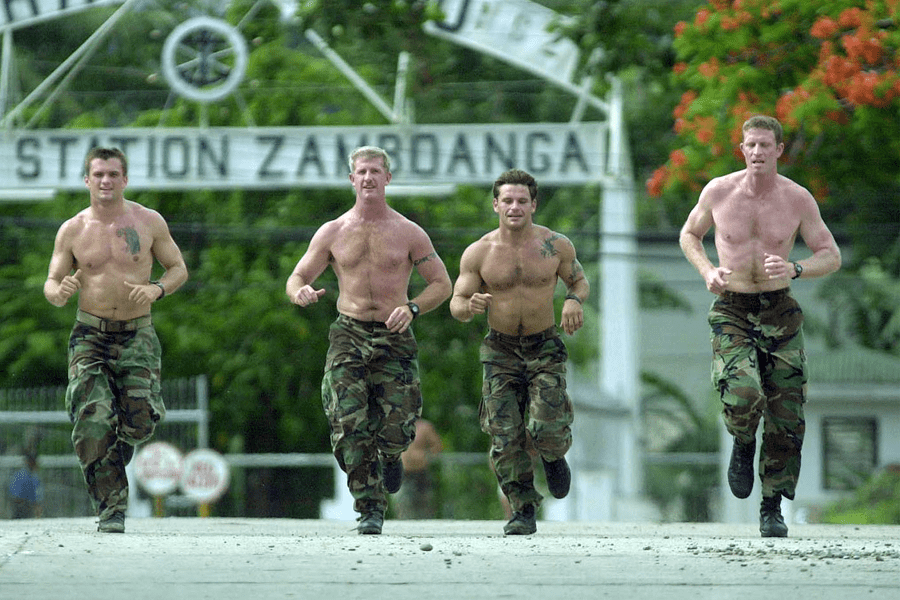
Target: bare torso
(373,264)
(521,278)
(750,225)
(109,254)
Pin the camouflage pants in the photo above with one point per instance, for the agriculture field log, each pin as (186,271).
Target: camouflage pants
(371,397)
(113,395)
(524,395)
(759,370)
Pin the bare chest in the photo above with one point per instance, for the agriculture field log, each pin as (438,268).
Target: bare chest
(117,245)
(525,268)
(370,246)
(769,222)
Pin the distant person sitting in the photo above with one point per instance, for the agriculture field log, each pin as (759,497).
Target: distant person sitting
(26,491)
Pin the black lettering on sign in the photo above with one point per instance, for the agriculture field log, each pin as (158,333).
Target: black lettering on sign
(275,142)
(461,154)
(64,143)
(206,155)
(538,162)
(425,154)
(573,153)
(493,150)
(312,155)
(27,159)
(176,157)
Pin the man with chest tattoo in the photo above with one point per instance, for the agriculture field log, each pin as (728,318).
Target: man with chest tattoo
(511,273)
(370,390)
(106,254)
(759,364)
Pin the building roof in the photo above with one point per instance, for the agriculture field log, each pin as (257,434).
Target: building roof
(854,365)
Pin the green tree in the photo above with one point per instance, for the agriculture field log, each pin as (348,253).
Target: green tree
(827,71)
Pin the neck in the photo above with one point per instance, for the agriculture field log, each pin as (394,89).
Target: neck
(755,183)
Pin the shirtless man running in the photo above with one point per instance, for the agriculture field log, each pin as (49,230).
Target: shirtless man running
(511,273)
(113,396)
(370,390)
(759,364)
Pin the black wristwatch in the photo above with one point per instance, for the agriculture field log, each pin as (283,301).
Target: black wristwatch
(798,270)
(413,308)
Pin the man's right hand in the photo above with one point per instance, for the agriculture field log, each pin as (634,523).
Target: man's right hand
(68,286)
(716,279)
(307,295)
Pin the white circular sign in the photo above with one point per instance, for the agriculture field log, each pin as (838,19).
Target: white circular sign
(204,477)
(204,59)
(158,468)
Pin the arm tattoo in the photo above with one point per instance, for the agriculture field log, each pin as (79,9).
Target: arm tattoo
(547,247)
(577,273)
(424,259)
(131,238)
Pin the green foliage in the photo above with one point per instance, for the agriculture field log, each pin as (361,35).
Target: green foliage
(683,492)
(877,502)
(825,70)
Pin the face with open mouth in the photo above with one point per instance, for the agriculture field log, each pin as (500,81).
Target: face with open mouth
(760,150)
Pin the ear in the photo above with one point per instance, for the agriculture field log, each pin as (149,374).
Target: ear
(496,206)
(779,150)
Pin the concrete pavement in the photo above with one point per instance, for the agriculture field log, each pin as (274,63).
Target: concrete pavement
(194,558)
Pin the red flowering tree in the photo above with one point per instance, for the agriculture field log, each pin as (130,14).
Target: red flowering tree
(828,70)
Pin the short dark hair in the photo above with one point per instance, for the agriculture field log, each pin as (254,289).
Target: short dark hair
(516,177)
(105,154)
(764,122)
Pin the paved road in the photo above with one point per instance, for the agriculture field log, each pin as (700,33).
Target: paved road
(241,559)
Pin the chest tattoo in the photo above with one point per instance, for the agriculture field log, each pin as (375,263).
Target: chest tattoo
(132,239)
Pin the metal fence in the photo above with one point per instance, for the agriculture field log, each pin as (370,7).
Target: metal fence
(36,418)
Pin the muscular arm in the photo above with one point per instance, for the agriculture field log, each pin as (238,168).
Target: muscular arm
(61,284)
(826,256)
(166,251)
(572,274)
(698,223)
(313,262)
(467,301)
(169,256)
(432,269)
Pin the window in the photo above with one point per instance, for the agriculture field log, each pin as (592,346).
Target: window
(850,451)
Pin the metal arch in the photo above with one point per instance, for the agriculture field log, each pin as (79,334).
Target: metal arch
(204,59)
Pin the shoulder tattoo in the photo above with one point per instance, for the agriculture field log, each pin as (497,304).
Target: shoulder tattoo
(547,247)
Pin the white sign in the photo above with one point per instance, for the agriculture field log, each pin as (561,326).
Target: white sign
(158,468)
(515,31)
(289,157)
(15,14)
(204,476)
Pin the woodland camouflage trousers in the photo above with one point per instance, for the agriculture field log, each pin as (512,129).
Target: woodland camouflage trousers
(524,396)
(113,396)
(759,370)
(372,398)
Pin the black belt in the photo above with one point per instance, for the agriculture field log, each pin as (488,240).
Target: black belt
(108,326)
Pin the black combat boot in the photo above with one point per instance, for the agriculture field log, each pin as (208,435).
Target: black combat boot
(740,469)
(771,523)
